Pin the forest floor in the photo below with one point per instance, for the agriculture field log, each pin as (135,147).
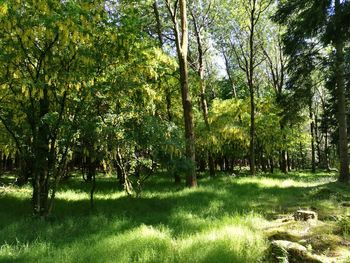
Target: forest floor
(226,219)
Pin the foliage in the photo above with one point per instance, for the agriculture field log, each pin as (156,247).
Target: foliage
(222,219)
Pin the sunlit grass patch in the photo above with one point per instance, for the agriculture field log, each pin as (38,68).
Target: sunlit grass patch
(222,220)
(230,243)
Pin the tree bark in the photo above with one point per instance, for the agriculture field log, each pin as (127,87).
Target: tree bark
(251,89)
(271,162)
(41,165)
(312,133)
(202,84)
(340,72)
(182,52)
(326,149)
(317,141)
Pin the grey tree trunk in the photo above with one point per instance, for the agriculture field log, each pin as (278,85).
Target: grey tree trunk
(312,133)
(181,39)
(250,75)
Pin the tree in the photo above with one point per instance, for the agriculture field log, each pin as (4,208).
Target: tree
(181,40)
(327,22)
(277,64)
(47,59)
(201,20)
(247,48)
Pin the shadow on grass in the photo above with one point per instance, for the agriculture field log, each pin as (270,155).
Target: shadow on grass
(164,208)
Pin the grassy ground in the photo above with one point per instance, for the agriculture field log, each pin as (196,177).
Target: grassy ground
(223,220)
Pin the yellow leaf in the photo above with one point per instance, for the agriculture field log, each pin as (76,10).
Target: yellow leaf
(3,9)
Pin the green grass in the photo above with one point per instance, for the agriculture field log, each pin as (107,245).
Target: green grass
(220,221)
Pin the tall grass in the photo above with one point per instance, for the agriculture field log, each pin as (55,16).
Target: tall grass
(220,221)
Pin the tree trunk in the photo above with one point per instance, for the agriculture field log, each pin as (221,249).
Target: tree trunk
(272,165)
(326,150)
(252,132)
(202,164)
(41,165)
(250,75)
(289,162)
(312,133)
(182,50)
(340,74)
(301,154)
(92,190)
(206,120)
(202,84)
(25,169)
(318,142)
(283,164)
(283,156)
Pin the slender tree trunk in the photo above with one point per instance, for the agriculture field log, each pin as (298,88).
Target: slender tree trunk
(312,133)
(289,162)
(340,74)
(168,103)
(41,165)
(283,155)
(206,120)
(302,158)
(191,179)
(272,165)
(228,72)
(326,150)
(161,43)
(177,177)
(252,131)
(181,39)
(123,180)
(92,190)
(202,84)
(283,164)
(251,87)
(318,142)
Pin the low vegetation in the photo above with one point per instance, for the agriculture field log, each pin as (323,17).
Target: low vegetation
(227,219)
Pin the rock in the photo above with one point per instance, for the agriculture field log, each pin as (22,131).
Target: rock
(305,215)
(287,251)
(283,235)
(303,242)
(283,217)
(289,245)
(323,243)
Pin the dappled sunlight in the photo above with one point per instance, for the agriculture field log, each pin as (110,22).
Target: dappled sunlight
(150,244)
(266,182)
(71,195)
(226,244)
(223,220)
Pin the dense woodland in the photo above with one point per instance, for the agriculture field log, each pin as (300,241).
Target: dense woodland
(131,90)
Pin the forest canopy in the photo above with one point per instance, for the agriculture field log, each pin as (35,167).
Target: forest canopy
(174,131)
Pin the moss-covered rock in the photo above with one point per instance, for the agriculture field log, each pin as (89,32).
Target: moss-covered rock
(283,251)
